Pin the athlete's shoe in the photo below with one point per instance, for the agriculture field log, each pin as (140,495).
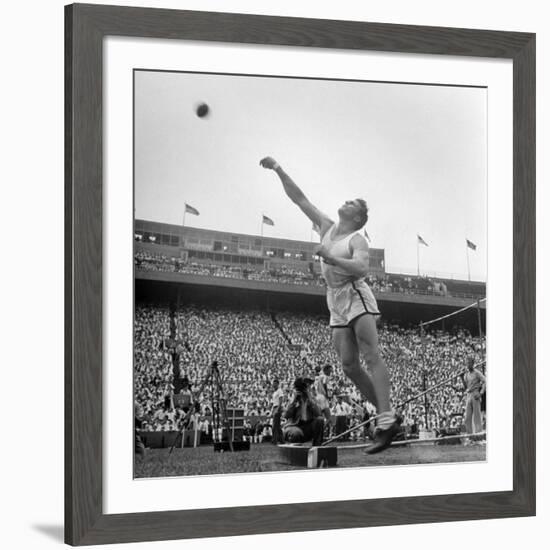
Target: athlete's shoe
(383,439)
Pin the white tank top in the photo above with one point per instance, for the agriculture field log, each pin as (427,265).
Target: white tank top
(335,276)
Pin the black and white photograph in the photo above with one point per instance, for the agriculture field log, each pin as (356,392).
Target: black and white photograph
(310,268)
(268,259)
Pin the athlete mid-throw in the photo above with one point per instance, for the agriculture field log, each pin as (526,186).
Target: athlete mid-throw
(353,309)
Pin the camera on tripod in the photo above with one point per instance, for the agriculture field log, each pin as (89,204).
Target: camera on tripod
(225,427)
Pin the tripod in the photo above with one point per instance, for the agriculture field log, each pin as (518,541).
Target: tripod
(219,406)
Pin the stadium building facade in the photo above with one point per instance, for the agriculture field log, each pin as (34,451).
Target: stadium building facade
(222,247)
(182,265)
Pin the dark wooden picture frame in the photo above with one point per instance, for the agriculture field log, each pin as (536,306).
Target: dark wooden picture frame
(85,28)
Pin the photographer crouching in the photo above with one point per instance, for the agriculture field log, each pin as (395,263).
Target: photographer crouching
(305,420)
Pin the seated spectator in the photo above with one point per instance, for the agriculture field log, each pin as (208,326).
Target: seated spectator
(306,275)
(184,399)
(267,433)
(255,347)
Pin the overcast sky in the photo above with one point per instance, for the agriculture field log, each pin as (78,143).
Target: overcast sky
(416,154)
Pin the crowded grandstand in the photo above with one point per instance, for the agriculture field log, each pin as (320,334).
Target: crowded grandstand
(194,306)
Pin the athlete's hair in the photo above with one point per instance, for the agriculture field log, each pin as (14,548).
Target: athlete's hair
(363,213)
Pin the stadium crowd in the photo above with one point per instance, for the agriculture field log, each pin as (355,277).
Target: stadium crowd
(152,364)
(253,348)
(387,282)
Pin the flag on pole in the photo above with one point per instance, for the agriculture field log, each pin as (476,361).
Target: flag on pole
(366,236)
(421,240)
(267,221)
(471,245)
(191,210)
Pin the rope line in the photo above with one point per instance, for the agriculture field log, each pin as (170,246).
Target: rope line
(452,313)
(413,398)
(414,441)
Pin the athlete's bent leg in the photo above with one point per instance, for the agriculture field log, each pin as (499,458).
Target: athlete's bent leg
(367,340)
(348,352)
(365,332)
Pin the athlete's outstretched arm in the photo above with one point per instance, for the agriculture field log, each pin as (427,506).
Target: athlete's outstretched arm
(296,195)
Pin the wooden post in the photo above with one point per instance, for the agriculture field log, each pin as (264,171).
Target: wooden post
(479,319)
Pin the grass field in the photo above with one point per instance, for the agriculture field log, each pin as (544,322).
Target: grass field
(264,457)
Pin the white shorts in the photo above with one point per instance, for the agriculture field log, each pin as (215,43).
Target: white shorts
(348,302)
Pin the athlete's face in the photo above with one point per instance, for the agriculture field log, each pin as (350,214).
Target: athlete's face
(350,209)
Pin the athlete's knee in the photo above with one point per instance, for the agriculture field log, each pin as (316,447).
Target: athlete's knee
(350,365)
(370,354)
(349,358)
(368,344)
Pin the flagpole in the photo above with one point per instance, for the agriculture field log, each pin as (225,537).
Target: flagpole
(262,226)
(417,256)
(468,260)
(184,211)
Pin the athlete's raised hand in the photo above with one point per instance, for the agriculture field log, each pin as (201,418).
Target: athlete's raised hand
(296,195)
(269,163)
